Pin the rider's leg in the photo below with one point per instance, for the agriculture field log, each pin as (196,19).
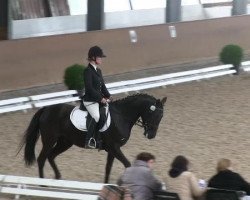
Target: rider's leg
(90,140)
(93,109)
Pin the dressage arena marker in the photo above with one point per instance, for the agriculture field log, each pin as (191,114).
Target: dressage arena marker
(172,31)
(133,36)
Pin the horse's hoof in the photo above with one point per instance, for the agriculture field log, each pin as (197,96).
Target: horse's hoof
(58,177)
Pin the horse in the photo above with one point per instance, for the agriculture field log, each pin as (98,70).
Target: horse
(58,133)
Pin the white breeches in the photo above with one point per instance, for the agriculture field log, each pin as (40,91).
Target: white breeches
(93,109)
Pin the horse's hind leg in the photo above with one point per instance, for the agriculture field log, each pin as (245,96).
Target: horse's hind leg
(61,146)
(43,155)
(41,160)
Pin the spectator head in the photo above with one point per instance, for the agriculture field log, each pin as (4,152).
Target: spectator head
(223,164)
(179,165)
(146,157)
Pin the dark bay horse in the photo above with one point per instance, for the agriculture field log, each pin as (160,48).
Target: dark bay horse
(58,133)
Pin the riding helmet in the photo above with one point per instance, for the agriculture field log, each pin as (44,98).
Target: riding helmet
(95,51)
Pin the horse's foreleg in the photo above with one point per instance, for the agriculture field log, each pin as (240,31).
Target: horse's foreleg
(61,146)
(121,157)
(110,160)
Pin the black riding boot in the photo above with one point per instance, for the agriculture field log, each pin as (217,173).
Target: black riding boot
(90,141)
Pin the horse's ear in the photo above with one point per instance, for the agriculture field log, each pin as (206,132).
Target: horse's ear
(163,101)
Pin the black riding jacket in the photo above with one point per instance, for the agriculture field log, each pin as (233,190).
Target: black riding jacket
(95,88)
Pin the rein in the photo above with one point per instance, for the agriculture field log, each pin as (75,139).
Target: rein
(142,124)
(139,122)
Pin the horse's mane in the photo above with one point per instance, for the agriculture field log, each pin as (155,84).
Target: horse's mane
(132,97)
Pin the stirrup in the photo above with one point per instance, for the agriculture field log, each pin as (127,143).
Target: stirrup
(92,143)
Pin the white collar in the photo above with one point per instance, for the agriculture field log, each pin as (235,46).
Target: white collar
(94,66)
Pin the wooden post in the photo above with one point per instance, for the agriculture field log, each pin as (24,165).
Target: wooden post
(173,11)
(3,19)
(95,15)
(239,7)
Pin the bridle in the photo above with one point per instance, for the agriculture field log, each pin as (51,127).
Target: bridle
(146,125)
(140,122)
(143,124)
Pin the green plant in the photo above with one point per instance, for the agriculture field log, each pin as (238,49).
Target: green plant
(73,77)
(231,54)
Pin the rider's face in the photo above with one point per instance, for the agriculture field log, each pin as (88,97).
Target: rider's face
(98,61)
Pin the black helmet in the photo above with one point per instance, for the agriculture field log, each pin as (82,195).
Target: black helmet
(95,51)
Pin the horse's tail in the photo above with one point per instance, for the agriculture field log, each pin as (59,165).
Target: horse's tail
(30,138)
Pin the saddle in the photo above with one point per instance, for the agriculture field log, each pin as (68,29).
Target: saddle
(103,116)
(81,119)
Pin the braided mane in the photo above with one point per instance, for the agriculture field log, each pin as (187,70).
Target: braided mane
(133,96)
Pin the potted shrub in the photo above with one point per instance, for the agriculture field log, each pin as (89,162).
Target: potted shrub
(73,78)
(232,54)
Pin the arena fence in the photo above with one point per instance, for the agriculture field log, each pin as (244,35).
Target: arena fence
(50,188)
(37,101)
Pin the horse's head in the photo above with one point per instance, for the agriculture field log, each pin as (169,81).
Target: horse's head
(151,117)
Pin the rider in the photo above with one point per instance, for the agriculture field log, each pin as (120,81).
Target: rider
(96,92)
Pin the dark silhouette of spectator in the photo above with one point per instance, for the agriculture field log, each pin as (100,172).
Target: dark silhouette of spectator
(227,179)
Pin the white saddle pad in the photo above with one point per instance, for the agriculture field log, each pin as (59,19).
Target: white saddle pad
(79,118)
